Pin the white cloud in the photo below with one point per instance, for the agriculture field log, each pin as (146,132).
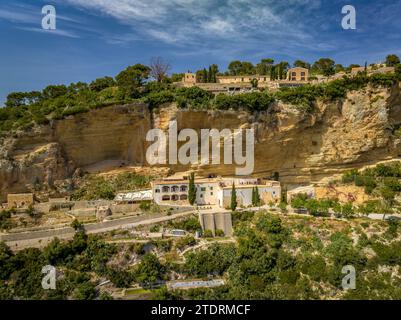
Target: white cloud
(185,22)
(57,32)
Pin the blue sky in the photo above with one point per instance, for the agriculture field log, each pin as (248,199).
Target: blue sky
(95,38)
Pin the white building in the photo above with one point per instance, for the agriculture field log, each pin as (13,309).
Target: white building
(215,191)
(134,197)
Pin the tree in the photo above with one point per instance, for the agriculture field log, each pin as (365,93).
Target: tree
(237,67)
(16,99)
(51,92)
(254,83)
(264,67)
(392,60)
(388,196)
(159,69)
(339,68)
(77,226)
(6,262)
(324,66)
(214,69)
(273,73)
(283,67)
(85,291)
(192,189)
(177,77)
(233,205)
(204,75)
(149,270)
(132,78)
(209,74)
(257,197)
(302,64)
(78,87)
(101,83)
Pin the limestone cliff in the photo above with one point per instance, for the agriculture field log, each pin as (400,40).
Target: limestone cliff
(340,135)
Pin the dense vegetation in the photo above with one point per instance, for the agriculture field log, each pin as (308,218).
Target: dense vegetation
(23,110)
(382,181)
(78,263)
(274,260)
(287,257)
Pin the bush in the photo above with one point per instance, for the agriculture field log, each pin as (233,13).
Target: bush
(194,97)
(254,101)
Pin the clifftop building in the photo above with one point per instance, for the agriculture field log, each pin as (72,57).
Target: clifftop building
(243,83)
(298,74)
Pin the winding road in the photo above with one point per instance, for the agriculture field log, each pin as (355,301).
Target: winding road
(22,240)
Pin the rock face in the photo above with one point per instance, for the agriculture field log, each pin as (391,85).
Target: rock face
(351,133)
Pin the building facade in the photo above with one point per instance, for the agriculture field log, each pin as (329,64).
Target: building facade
(215,191)
(298,74)
(242,79)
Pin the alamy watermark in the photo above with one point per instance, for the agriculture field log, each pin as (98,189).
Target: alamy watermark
(49,20)
(349,20)
(49,280)
(349,281)
(188,153)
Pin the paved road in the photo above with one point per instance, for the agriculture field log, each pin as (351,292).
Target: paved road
(18,241)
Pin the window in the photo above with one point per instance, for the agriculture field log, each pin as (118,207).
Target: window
(303,74)
(203,189)
(201,196)
(302,78)
(211,188)
(294,74)
(211,193)
(157,190)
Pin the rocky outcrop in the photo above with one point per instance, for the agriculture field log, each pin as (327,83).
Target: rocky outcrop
(340,135)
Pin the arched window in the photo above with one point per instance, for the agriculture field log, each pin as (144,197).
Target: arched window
(174,197)
(166,198)
(166,189)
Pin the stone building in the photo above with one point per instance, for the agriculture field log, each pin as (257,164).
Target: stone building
(243,79)
(298,74)
(215,191)
(189,79)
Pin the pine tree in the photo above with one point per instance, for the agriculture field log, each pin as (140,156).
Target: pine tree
(210,75)
(191,189)
(257,197)
(233,198)
(253,197)
(204,75)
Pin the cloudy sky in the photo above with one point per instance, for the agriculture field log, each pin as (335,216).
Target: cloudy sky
(101,37)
